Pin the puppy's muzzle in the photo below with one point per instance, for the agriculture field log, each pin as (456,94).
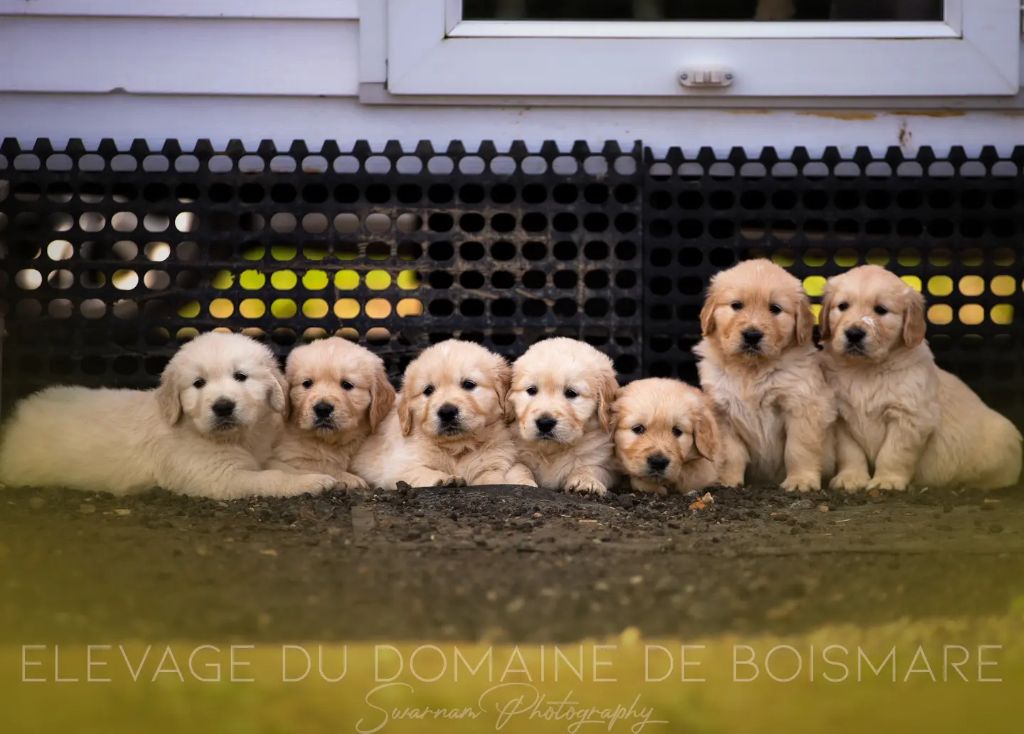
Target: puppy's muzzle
(323,415)
(855,340)
(545,427)
(657,464)
(223,410)
(448,420)
(752,340)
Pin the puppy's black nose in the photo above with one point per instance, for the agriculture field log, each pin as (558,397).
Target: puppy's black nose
(323,410)
(855,335)
(223,407)
(752,337)
(658,462)
(448,413)
(546,424)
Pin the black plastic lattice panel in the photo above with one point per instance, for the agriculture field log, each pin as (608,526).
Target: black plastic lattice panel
(951,227)
(111,258)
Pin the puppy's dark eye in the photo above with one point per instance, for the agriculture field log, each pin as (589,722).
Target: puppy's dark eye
(737,305)
(199,384)
(843,306)
(468,385)
(570,394)
(531,390)
(676,431)
(775,308)
(241,376)
(881,310)
(307,384)
(346,385)
(639,428)
(428,390)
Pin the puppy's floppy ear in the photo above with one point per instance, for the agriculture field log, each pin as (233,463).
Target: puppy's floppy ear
(705,433)
(277,387)
(167,397)
(826,308)
(615,415)
(403,405)
(502,387)
(913,319)
(707,313)
(607,391)
(279,395)
(509,407)
(804,319)
(404,411)
(382,397)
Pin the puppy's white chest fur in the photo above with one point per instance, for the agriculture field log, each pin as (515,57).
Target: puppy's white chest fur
(305,451)
(388,457)
(755,403)
(871,397)
(473,459)
(552,463)
(755,414)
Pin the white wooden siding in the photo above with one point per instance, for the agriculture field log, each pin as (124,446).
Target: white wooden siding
(125,117)
(186,8)
(179,56)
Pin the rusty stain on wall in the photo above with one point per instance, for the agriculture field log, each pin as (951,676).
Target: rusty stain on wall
(850,115)
(906,137)
(930,113)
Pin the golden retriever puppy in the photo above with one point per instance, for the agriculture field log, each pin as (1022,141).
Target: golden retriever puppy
(902,420)
(448,424)
(760,367)
(339,393)
(666,436)
(561,399)
(208,430)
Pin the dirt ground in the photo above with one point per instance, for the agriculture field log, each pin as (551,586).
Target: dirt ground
(496,563)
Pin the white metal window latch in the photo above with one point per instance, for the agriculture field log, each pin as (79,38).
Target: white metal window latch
(706,77)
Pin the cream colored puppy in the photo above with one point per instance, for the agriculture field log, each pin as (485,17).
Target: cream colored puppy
(902,420)
(666,436)
(561,400)
(448,424)
(759,366)
(207,430)
(339,393)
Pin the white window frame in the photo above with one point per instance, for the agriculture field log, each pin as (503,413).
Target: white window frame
(431,50)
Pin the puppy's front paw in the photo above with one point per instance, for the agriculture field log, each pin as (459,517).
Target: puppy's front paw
(348,482)
(428,478)
(520,475)
(648,487)
(310,483)
(889,483)
(849,481)
(731,478)
(802,483)
(586,485)
(454,482)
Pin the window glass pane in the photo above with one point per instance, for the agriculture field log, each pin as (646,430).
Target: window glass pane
(879,10)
